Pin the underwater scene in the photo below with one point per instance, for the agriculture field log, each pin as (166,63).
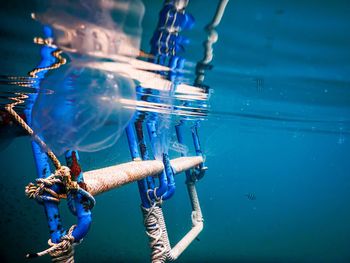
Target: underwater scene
(175,130)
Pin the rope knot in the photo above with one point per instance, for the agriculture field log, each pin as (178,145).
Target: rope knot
(65,174)
(37,191)
(60,252)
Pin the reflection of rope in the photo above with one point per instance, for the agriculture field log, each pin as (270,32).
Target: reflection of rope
(56,54)
(208,44)
(218,15)
(60,252)
(42,191)
(166,32)
(21,97)
(44,41)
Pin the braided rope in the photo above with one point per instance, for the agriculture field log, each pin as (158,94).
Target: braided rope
(157,199)
(63,251)
(43,186)
(44,41)
(155,233)
(56,54)
(61,176)
(10,109)
(60,252)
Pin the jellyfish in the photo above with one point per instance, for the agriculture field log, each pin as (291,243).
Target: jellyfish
(83,110)
(83,107)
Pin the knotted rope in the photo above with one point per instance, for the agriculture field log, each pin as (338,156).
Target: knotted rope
(60,252)
(42,186)
(64,250)
(61,176)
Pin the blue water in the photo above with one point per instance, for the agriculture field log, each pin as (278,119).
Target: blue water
(278,128)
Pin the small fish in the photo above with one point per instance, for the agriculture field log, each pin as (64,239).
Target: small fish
(250,196)
(198,239)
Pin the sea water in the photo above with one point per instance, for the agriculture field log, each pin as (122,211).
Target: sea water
(277,130)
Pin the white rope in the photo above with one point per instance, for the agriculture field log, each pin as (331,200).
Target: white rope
(197,225)
(219,13)
(211,40)
(62,252)
(155,233)
(158,236)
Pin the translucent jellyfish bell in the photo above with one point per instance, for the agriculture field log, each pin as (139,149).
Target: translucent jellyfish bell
(84,110)
(87,109)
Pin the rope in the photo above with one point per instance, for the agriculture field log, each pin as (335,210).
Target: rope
(220,10)
(212,38)
(60,252)
(43,186)
(156,229)
(155,232)
(63,251)
(154,191)
(9,108)
(21,97)
(56,54)
(61,176)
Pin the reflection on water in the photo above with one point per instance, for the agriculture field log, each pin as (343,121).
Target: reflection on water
(105,36)
(98,28)
(93,82)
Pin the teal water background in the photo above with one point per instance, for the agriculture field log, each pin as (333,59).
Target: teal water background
(279,128)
